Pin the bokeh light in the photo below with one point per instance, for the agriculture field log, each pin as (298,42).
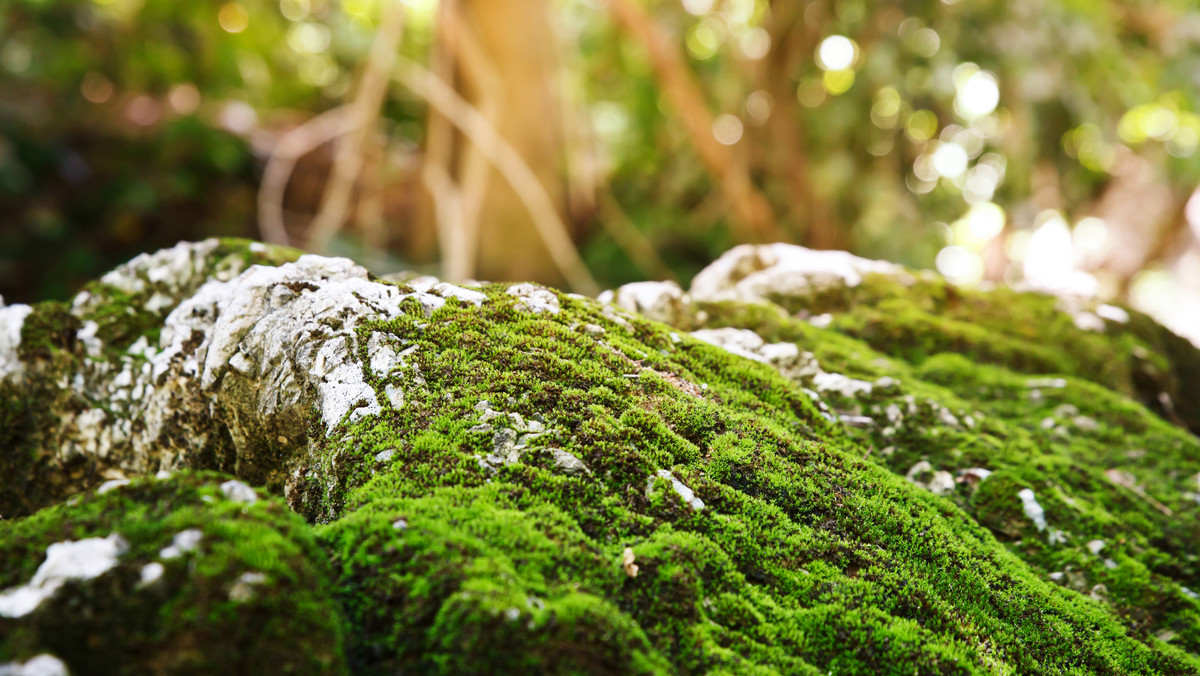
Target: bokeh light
(960,265)
(727,129)
(233,17)
(977,95)
(950,160)
(836,53)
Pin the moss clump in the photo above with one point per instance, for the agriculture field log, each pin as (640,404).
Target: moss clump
(251,597)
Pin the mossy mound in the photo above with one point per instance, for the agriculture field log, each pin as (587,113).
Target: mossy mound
(201,576)
(505,479)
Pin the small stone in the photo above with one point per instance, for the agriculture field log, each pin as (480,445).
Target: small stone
(680,488)
(1056,576)
(482,427)
(921,467)
(857,420)
(1110,564)
(243,588)
(975,475)
(1065,411)
(162,474)
(1085,423)
(400,524)
(1033,510)
(151,573)
(533,298)
(41,665)
(395,396)
(111,485)
(627,562)
(483,405)
(1094,546)
(239,492)
(1113,313)
(942,483)
(567,463)
(183,542)
(384,456)
(503,441)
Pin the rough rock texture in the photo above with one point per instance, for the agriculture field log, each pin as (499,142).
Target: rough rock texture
(848,468)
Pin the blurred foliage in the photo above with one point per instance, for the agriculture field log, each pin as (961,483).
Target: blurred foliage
(128,124)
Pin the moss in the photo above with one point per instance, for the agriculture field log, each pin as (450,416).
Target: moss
(805,558)
(194,618)
(481,526)
(49,329)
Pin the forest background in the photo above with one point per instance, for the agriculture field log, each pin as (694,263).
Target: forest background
(587,143)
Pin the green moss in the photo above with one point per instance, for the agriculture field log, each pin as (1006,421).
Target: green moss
(481,526)
(195,618)
(805,558)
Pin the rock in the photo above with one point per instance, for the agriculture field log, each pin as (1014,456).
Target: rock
(568,463)
(942,483)
(769,271)
(660,301)
(689,498)
(534,299)
(429,439)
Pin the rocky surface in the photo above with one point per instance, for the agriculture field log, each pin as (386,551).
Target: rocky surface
(227,457)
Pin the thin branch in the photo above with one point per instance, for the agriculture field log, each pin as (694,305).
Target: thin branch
(510,164)
(347,162)
(750,209)
(457,206)
(291,146)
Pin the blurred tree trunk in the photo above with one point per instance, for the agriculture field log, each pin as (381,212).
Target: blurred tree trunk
(500,56)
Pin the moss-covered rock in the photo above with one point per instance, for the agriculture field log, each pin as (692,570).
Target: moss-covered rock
(844,470)
(191,573)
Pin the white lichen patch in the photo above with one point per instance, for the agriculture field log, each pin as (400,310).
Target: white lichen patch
(1033,510)
(12,320)
(760,272)
(533,298)
(70,560)
(685,493)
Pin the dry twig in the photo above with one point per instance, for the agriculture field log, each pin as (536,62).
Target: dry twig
(364,110)
(510,164)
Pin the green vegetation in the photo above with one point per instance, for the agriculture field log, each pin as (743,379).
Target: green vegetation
(251,595)
(481,523)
